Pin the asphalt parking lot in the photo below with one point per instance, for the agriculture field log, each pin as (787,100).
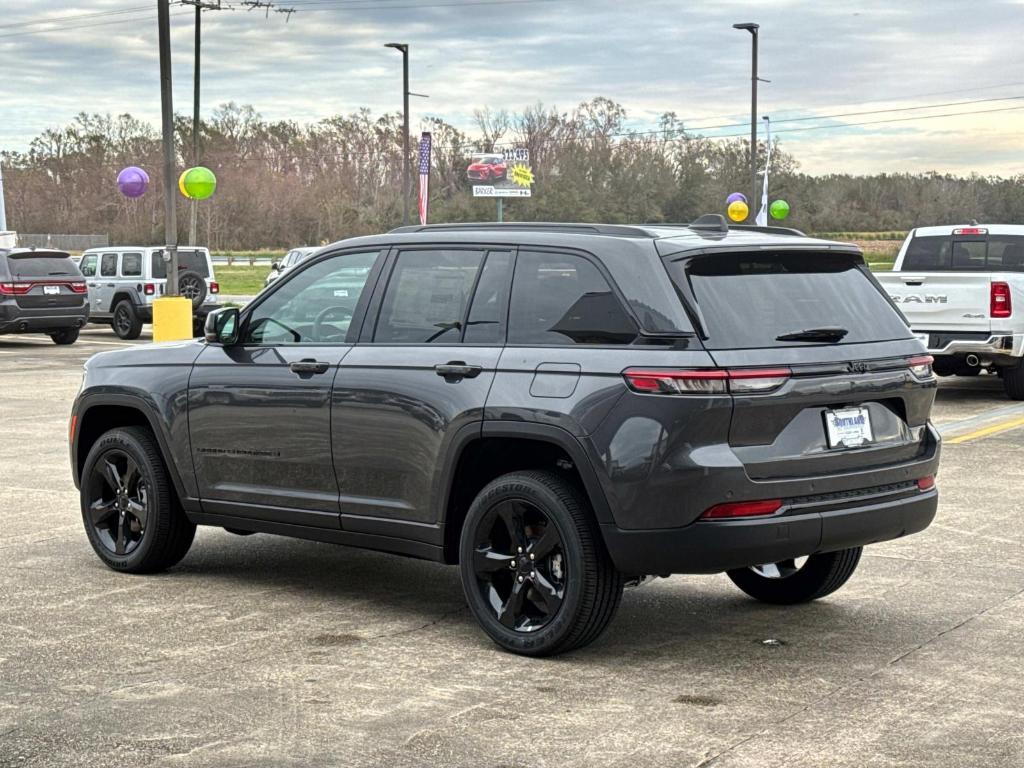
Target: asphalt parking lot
(264,651)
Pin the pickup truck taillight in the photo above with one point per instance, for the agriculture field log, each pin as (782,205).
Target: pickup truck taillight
(1002,306)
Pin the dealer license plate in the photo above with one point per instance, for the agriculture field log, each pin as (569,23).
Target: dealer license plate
(51,289)
(848,427)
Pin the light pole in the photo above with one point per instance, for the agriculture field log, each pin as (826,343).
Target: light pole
(167,119)
(752,29)
(404,48)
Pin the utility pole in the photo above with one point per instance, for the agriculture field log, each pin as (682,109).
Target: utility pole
(3,209)
(404,48)
(167,120)
(752,29)
(200,6)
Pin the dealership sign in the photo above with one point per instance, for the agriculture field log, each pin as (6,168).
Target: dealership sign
(501,174)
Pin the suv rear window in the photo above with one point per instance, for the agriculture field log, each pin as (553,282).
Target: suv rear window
(946,253)
(748,300)
(41,265)
(192,261)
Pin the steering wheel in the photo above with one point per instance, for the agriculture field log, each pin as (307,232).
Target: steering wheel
(324,332)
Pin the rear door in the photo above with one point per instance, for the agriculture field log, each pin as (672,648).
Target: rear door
(845,397)
(420,373)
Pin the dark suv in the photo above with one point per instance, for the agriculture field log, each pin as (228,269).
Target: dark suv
(42,291)
(559,409)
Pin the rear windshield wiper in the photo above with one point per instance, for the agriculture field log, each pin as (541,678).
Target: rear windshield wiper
(829,334)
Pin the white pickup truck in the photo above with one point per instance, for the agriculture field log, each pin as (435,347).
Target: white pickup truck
(962,290)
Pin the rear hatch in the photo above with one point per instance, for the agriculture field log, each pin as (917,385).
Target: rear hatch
(44,280)
(830,387)
(189,260)
(945,281)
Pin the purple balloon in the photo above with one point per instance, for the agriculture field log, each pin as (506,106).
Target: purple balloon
(133,182)
(736,196)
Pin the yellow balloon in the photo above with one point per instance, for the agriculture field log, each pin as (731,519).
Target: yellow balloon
(738,211)
(181,184)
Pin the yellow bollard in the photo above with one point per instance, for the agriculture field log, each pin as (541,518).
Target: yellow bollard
(172,318)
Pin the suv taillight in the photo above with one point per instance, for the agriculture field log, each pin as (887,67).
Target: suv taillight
(705,381)
(78,287)
(921,366)
(149,289)
(15,289)
(1001,306)
(214,287)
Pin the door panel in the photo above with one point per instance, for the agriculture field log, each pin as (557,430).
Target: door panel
(261,431)
(393,418)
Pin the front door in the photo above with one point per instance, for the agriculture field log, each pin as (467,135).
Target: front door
(259,411)
(89,265)
(106,283)
(420,373)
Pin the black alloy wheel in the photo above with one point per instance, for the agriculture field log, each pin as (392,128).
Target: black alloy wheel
(125,322)
(534,568)
(193,287)
(132,516)
(119,502)
(519,565)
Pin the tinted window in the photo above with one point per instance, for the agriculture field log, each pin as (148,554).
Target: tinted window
(940,253)
(108,265)
(564,299)
(426,297)
(38,265)
(88,265)
(748,300)
(131,264)
(487,313)
(316,306)
(193,261)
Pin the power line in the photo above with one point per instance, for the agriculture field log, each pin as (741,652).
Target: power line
(59,19)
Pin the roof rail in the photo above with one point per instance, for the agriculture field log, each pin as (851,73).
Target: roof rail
(615,230)
(768,230)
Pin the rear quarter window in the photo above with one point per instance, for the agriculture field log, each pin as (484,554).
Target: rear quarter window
(749,300)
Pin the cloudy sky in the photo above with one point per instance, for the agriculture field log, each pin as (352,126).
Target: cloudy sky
(929,61)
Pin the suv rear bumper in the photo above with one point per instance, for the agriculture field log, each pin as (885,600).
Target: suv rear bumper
(17,320)
(715,546)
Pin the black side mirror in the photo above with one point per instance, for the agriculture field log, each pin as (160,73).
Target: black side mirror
(275,265)
(222,326)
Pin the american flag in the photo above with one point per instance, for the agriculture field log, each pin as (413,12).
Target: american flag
(424,176)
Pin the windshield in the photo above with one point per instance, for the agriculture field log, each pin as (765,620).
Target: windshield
(948,253)
(751,300)
(191,261)
(41,265)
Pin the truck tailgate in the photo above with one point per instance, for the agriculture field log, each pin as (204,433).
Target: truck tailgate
(948,301)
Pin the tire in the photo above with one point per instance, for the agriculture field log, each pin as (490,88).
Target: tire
(1013,382)
(193,286)
(149,532)
(821,575)
(584,588)
(65,336)
(126,322)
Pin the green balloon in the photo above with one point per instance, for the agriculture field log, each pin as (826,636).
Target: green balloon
(779,209)
(197,183)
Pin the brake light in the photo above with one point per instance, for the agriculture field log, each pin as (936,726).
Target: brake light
(701,382)
(926,483)
(15,289)
(1001,305)
(970,231)
(78,287)
(148,289)
(742,509)
(921,367)
(705,381)
(214,287)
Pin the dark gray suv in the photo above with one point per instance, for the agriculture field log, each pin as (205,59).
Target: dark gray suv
(42,291)
(559,409)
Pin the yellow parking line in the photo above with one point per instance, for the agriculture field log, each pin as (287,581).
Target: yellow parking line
(995,429)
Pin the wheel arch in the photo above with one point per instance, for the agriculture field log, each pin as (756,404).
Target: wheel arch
(480,455)
(98,414)
(125,294)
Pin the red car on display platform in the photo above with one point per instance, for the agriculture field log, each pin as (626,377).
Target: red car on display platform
(487,168)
